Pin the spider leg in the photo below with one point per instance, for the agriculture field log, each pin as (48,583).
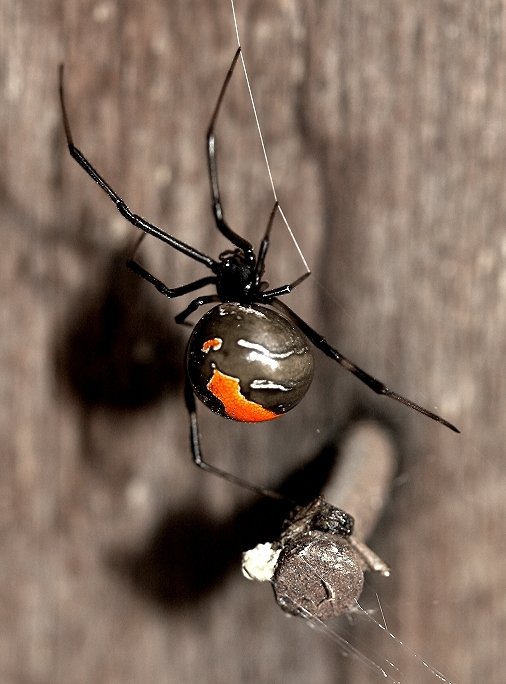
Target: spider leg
(194,305)
(137,244)
(123,209)
(376,385)
(262,253)
(169,292)
(264,245)
(283,289)
(217,206)
(198,458)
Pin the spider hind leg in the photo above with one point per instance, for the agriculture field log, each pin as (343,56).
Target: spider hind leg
(376,385)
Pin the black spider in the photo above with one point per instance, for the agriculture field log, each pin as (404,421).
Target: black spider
(244,360)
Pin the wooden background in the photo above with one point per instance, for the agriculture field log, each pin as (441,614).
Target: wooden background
(385,125)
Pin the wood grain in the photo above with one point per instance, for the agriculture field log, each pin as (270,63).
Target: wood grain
(385,125)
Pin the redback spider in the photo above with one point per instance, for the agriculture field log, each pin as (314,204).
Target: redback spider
(248,358)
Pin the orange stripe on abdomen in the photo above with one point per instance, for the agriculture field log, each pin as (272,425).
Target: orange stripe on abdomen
(227,389)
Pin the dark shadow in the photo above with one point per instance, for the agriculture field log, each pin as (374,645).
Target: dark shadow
(189,553)
(117,349)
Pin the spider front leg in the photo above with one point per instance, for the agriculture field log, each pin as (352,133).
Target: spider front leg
(260,266)
(169,292)
(268,295)
(198,458)
(376,385)
(217,206)
(172,292)
(264,245)
(121,206)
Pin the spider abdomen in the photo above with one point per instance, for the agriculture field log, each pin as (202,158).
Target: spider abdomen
(248,363)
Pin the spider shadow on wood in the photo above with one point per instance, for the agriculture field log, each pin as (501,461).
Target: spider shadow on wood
(118,350)
(189,553)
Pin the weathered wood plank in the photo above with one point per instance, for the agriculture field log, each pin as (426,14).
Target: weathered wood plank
(384,123)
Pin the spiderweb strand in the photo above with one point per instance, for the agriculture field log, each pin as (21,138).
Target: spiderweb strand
(436,674)
(346,647)
(388,670)
(290,231)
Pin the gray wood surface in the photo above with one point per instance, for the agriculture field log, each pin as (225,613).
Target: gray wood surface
(385,125)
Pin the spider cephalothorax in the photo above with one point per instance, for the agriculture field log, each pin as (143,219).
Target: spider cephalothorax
(238,279)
